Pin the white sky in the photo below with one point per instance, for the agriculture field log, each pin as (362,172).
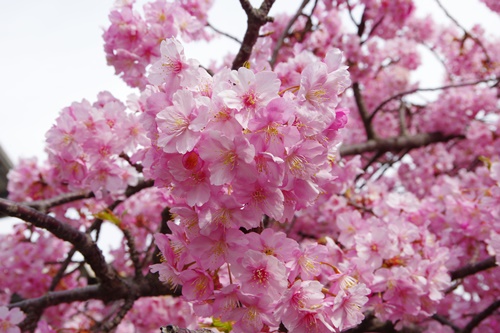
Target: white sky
(52,54)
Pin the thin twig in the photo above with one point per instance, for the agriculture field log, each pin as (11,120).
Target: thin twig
(223,33)
(412,91)
(467,34)
(136,166)
(60,273)
(109,325)
(46,204)
(477,319)
(444,321)
(285,32)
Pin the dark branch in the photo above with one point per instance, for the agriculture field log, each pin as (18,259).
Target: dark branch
(134,255)
(473,268)
(477,319)
(60,273)
(82,242)
(363,112)
(45,205)
(256,18)
(108,325)
(396,143)
(445,321)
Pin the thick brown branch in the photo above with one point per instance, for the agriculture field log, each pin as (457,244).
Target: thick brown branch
(256,18)
(363,112)
(396,143)
(473,268)
(82,242)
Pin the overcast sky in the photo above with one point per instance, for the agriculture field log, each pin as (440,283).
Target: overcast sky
(52,54)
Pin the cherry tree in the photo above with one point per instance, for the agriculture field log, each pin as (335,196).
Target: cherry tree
(304,184)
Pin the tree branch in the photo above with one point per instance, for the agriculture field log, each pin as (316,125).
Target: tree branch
(46,204)
(477,319)
(108,325)
(82,242)
(256,18)
(445,321)
(412,91)
(223,33)
(467,34)
(396,143)
(473,268)
(363,112)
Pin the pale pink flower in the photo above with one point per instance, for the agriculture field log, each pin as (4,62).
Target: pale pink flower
(172,64)
(180,124)
(273,243)
(250,92)
(301,307)
(260,198)
(374,245)
(228,158)
(256,311)
(347,307)
(9,319)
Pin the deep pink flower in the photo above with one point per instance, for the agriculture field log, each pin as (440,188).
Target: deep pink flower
(196,285)
(260,274)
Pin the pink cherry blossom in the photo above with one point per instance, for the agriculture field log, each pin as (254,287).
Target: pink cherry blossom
(9,319)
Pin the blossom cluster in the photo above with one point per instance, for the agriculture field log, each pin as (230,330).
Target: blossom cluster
(238,152)
(131,41)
